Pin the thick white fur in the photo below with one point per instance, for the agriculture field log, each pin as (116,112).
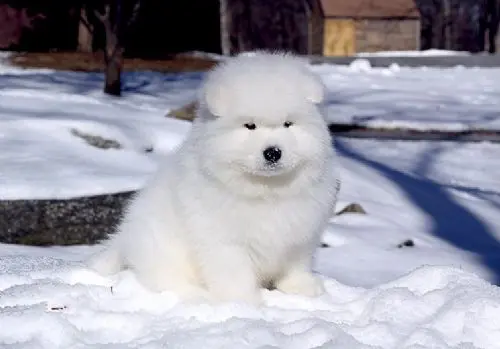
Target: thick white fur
(216,220)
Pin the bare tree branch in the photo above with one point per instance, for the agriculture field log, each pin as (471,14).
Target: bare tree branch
(84,20)
(103,17)
(115,19)
(135,12)
(28,20)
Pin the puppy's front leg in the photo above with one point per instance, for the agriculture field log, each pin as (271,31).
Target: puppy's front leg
(299,279)
(229,275)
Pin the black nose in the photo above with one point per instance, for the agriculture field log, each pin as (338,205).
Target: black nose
(272,154)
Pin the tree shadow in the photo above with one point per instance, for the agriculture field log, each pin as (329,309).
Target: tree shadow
(490,196)
(428,158)
(148,83)
(451,221)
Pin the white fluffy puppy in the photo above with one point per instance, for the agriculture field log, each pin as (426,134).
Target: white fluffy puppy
(243,201)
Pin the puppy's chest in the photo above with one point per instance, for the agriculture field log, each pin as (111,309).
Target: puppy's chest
(272,223)
(274,234)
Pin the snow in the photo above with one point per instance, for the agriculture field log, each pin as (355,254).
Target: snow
(40,108)
(452,99)
(49,300)
(423,53)
(443,196)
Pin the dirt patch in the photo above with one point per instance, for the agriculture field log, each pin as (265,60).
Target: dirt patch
(94,62)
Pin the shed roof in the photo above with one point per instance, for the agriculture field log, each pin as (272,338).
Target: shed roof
(370,8)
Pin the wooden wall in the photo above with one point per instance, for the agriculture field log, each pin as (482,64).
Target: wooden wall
(339,37)
(387,35)
(345,37)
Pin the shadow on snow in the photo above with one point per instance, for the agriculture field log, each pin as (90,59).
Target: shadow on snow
(451,221)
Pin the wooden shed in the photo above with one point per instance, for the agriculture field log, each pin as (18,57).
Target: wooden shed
(353,26)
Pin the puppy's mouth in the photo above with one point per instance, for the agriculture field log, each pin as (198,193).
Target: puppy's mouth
(271,171)
(268,170)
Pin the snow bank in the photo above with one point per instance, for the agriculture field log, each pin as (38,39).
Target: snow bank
(423,53)
(52,302)
(452,99)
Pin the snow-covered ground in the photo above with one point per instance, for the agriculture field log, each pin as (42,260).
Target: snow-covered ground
(49,301)
(39,109)
(41,157)
(443,196)
(423,98)
(423,53)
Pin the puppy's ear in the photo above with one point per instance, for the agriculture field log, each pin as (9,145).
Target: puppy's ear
(215,100)
(215,96)
(314,89)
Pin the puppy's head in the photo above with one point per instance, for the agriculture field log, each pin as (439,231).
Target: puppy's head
(260,122)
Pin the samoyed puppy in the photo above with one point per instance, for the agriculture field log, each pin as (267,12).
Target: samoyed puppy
(242,203)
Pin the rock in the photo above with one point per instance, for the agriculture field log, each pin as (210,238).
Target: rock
(96,141)
(186,112)
(407,243)
(83,220)
(352,208)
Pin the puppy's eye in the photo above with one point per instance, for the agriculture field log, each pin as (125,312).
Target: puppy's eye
(250,126)
(287,124)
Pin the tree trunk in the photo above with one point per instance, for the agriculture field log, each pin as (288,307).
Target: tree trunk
(113,83)
(493,9)
(224,28)
(113,56)
(84,33)
(115,23)
(447,24)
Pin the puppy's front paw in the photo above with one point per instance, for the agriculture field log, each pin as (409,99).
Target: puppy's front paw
(301,283)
